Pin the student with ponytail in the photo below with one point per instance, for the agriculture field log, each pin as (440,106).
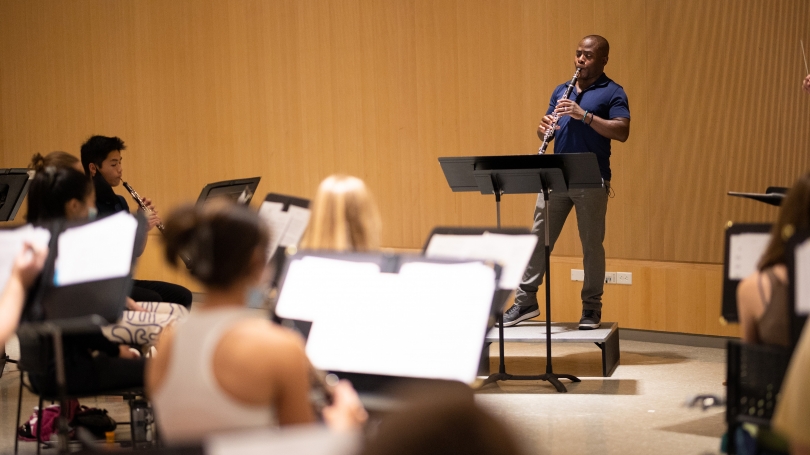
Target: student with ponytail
(223,368)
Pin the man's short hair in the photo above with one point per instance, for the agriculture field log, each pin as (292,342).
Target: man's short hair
(97,148)
(602,44)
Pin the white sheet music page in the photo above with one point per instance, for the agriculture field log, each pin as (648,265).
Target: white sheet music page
(512,252)
(745,250)
(313,284)
(298,221)
(386,325)
(11,243)
(277,220)
(802,260)
(96,251)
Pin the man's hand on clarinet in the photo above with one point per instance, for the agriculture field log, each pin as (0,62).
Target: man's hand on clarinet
(545,124)
(806,84)
(570,108)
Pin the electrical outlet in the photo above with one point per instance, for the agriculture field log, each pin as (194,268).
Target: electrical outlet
(577,275)
(610,277)
(624,278)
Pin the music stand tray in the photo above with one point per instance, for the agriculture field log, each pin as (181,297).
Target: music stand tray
(14,185)
(240,190)
(519,174)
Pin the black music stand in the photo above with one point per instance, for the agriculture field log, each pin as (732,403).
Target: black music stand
(14,185)
(521,174)
(729,304)
(773,195)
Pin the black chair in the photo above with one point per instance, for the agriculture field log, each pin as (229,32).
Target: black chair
(754,379)
(36,353)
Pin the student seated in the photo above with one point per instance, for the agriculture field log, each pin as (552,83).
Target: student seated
(92,362)
(223,368)
(144,322)
(792,416)
(344,217)
(101,159)
(24,271)
(762,297)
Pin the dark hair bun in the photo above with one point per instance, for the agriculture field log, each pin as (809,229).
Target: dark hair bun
(220,240)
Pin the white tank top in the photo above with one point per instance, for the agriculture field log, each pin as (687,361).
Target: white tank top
(190,404)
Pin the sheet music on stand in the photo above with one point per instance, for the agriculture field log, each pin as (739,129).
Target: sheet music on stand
(744,245)
(287,217)
(379,323)
(802,275)
(513,252)
(96,251)
(89,272)
(11,243)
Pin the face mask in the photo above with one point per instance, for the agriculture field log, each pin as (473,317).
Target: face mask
(255,297)
(92,213)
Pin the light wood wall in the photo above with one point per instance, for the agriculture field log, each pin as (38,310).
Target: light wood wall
(294,90)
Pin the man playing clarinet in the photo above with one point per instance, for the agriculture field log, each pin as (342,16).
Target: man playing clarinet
(596,113)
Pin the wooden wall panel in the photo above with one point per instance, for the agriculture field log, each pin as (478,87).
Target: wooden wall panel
(294,90)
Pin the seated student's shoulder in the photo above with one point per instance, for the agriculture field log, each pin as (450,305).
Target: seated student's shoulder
(263,343)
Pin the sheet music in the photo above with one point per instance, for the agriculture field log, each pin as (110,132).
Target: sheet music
(386,324)
(313,283)
(277,219)
(802,289)
(11,243)
(745,250)
(96,251)
(297,224)
(286,228)
(299,439)
(511,251)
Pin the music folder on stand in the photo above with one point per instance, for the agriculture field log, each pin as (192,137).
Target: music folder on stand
(521,174)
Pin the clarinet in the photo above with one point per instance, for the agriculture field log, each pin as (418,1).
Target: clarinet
(139,201)
(556,118)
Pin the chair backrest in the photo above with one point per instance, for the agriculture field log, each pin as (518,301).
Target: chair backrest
(755,374)
(36,350)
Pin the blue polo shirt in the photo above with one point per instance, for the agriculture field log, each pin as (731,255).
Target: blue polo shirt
(606,99)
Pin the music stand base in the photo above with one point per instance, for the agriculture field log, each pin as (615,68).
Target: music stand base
(553,378)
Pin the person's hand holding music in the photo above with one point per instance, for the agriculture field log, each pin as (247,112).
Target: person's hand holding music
(29,263)
(133,305)
(806,84)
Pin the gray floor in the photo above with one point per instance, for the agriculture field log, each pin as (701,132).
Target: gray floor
(637,410)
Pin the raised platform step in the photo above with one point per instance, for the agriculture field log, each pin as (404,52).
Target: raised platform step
(606,337)
(561,332)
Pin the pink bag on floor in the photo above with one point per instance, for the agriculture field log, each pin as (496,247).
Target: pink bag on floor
(28,430)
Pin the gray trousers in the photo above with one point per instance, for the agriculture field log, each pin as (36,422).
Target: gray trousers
(591,208)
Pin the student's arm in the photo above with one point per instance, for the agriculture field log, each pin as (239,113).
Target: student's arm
(749,307)
(25,270)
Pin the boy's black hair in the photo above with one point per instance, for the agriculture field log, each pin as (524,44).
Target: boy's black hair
(96,149)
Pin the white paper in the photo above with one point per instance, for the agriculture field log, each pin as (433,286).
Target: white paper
(297,439)
(512,252)
(387,324)
(277,220)
(298,220)
(802,272)
(313,284)
(96,251)
(286,228)
(745,250)
(11,243)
